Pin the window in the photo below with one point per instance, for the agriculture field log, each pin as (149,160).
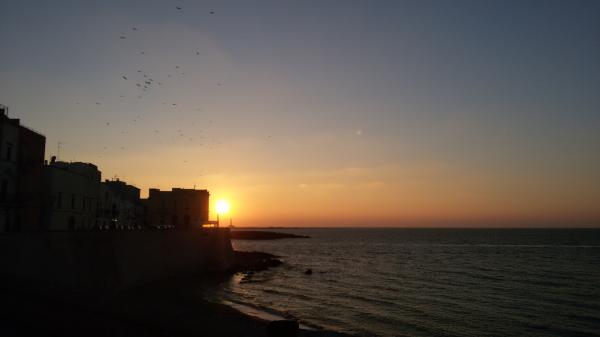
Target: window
(3,189)
(8,151)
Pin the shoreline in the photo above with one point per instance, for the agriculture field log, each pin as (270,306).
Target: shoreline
(237,234)
(174,307)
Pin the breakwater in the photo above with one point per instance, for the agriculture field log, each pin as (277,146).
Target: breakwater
(114,259)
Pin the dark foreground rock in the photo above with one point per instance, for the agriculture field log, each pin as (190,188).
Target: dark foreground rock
(254,261)
(168,309)
(283,328)
(263,235)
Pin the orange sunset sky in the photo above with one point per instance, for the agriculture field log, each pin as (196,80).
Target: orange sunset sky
(356,114)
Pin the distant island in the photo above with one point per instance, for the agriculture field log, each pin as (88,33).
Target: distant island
(263,235)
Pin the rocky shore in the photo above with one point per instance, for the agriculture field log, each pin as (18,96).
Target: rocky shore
(169,307)
(255,261)
(166,309)
(174,307)
(262,235)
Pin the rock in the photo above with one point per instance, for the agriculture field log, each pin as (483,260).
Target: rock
(254,261)
(262,235)
(283,328)
(308,271)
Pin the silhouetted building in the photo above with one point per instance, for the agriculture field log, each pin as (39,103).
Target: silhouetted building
(119,205)
(30,173)
(21,165)
(9,143)
(178,208)
(124,191)
(71,193)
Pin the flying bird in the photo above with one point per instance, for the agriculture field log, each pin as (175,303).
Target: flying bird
(124,77)
(178,8)
(212,12)
(122,37)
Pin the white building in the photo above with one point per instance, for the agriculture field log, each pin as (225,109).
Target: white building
(119,206)
(71,196)
(127,199)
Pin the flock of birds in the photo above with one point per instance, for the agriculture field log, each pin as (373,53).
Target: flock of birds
(143,82)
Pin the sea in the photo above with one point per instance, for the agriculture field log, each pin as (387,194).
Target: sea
(428,282)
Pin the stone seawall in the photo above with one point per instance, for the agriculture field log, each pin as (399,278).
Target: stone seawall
(114,260)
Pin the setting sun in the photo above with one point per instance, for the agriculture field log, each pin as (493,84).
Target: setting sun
(222,206)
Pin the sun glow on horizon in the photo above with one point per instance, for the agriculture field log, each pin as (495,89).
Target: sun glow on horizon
(222,206)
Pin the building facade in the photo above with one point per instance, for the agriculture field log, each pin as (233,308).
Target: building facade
(178,208)
(119,206)
(9,143)
(71,193)
(21,167)
(31,154)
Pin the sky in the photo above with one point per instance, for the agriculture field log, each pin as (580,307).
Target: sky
(323,113)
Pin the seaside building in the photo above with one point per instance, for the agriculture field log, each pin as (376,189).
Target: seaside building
(178,208)
(32,146)
(71,193)
(119,205)
(21,165)
(76,199)
(9,142)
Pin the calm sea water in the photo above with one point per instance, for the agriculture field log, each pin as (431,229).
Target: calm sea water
(431,282)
